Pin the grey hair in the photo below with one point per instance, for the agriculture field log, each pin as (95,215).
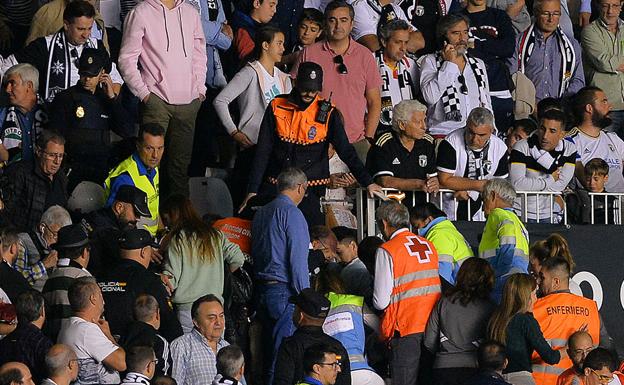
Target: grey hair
(480,116)
(386,30)
(403,112)
(58,358)
(56,215)
(27,72)
(501,187)
(145,306)
(448,21)
(290,179)
(394,213)
(230,360)
(537,5)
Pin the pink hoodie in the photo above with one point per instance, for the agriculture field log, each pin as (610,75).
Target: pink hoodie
(169,46)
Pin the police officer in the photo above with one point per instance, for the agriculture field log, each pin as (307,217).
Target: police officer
(130,278)
(107,224)
(86,113)
(296,131)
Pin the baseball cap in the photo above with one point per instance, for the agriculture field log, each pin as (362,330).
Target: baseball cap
(136,197)
(312,303)
(92,61)
(309,77)
(134,239)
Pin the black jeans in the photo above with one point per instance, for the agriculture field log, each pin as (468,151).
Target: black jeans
(405,358)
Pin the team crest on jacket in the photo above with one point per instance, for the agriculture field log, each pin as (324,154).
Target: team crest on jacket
(422,160)
(312,133)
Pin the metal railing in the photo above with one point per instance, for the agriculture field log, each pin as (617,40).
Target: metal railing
(525,197)
(608,199)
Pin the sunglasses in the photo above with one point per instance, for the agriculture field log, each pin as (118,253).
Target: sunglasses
(463,87)
(342,68)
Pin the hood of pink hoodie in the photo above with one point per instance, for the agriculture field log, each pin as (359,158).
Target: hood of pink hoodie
(158,5)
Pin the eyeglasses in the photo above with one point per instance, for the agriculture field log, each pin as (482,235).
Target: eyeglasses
(607,7)
(602,378)
(342,68)
(155,361)
(54,234)
(548,15)
(334,365)
(463,87)
(53,156)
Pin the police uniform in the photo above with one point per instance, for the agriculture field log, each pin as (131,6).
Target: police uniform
(122,284)
(293,134)
(388,157)
(85,119)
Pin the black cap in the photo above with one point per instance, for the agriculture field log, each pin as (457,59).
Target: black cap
(134,239)
(136,197)
(312,303)
(92,61)
(71,236)
(309,77)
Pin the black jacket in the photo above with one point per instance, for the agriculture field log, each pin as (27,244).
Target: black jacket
(26,344)
(12,281)
(122,284)
(141,334)
(289,363)
(27,193)
(104,231)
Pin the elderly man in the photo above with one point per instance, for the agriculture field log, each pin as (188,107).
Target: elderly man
(11,281)
(399,72)
(351,76)
(27,344)
(405,158)
(452,81)
(543,162)
(603,58)
(16,373)
(505,241)
(87,333)
(467,159)
(31,187)
(23,119)
(580,344)
(56,56)
(62,365)
(194,354)
(407,287)
(549,57)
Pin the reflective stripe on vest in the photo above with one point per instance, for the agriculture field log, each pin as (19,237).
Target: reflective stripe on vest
(345,322)
(416,284)
(141,182)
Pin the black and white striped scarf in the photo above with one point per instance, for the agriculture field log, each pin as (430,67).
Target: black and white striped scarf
(450,96)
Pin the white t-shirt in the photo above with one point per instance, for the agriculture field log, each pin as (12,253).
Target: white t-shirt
(367,18)
(91,347)
(272,85)
(607,146)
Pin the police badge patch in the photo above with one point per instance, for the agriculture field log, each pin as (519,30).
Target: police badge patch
(422,160)
(312,133)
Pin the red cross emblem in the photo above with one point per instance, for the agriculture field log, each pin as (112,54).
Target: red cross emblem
(417,248)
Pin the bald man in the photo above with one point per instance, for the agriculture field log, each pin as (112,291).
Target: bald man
(579,345)
(15,373)
(62,364)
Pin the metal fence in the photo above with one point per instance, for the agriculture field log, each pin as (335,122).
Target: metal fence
(611,204)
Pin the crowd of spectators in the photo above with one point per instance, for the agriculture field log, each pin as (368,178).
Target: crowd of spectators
(493,111)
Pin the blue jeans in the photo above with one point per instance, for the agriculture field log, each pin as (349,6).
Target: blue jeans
(275,314)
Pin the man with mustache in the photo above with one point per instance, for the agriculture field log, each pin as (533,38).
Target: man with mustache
(592,109)
(452,82)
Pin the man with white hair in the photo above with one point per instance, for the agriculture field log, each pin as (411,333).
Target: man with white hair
(467,158)
(405,158)
(23,119)
(62,365)
(505,240)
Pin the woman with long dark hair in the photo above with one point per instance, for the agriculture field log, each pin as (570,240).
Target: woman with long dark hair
(458,323)
(196,256)
(552,247)
(513,325)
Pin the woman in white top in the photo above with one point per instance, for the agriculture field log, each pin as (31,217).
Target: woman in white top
(254,86)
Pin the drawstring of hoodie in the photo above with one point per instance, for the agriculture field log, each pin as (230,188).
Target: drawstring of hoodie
(182,32)
(166,29)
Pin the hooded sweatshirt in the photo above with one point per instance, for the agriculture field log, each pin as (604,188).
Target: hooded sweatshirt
(170,47)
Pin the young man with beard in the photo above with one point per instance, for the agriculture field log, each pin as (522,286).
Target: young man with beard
(591,108)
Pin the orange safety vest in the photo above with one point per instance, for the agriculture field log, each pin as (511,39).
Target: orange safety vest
(236,230)
(416,286)
(571,377)
(559,315)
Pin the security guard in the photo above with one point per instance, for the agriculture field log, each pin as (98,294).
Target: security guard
(505,240)
(561,313)
(141,170)
(124,282)
(86,113)
(296,132)
(453,249)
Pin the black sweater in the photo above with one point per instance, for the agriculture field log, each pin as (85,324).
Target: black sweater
(523,337)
